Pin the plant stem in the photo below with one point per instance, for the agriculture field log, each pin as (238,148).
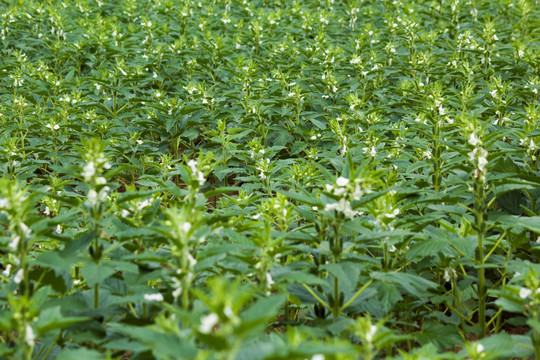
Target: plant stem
(96,296)
(336,310)
(480,259)
(358,293)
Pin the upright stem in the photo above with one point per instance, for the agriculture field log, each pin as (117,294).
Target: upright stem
(480,209)
(481,289)
(96,295)
(336,297)
(436,157)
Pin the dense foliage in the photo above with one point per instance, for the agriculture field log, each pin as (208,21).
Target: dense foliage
(269,179)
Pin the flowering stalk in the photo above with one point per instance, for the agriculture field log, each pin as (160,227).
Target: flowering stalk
(478,157)
(17,206)
(96,164)
(180,232)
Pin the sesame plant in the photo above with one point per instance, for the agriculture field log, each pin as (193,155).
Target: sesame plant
(269,179)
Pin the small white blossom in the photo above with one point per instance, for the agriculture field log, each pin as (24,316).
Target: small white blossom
(29,335)
(186,227)
(208,322)
(525,293)
(92,197)
(341,181)
(446,276)
(18,276)
(14,243)
(53,127)
(153,297)
(343,205)
(89,171)
(474,140)
(442,110)
(7,270)
(371,333)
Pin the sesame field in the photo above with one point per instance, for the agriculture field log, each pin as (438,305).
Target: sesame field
(269,179)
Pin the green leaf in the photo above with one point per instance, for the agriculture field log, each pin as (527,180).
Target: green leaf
(444,336)
(413,284)
(81,353)
(95,273)
(51,319)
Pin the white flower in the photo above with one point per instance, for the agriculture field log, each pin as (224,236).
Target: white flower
(532,145)
(269,279)
(343,205)
(29,335)
(358,192)
(200,178)
(446,276)
(493,93)
(89,171)
(58,229)
(7,271)
(4,203)
(371,333)
(14,243)
(372,151)
(442,110)
(393,214)
(102,195)
(25,229)
(317,357)
(525,293)
(228,312)
(479,348)
(341,181)
(482,161)
(144,204)
(18,276)
(192,260)
(208,322)
(177,292)
(153,297)
(53,127)
(474,140)
(92,197)
(186,227)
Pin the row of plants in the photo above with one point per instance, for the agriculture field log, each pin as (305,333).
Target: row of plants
(269,179)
